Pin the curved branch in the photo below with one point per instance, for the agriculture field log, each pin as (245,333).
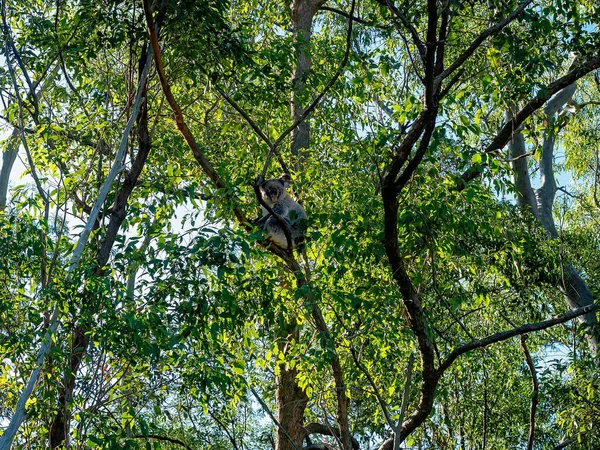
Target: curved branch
(409,26)
(163,438)
(331,82)
(504,335)
(543,95)
(480,39)
(325,430)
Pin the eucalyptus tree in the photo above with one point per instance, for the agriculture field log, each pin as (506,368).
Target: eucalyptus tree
(400,323)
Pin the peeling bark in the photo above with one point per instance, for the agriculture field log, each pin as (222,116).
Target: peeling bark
(541,203)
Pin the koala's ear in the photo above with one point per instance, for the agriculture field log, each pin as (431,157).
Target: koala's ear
(286,180)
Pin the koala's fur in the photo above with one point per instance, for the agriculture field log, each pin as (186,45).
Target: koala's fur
(274,194)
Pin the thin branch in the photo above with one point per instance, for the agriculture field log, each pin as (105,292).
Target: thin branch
(398,428)
(257,130)
(356,19)
(504,335)
(245,115)
(331,82)
(179,119)
(480,39)
(8,42)
(224,428)
(569,441)
(327,430)
(380,400)
(409,26)
(270,414)
(163,438)
(534,391)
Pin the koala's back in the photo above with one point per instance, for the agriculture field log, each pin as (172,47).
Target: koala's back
(295,217)
(274,194)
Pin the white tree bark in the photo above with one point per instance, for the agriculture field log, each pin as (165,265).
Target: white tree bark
(8,159)
(20,415)
(541,202)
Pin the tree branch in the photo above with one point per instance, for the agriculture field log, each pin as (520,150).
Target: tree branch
(409,26)
(543,95)
(534,391)
(163,438)
(480,39)
(504,335)
(326,430)
(518,163)
(371,382)
(398,428)
(569,441)
(354,18)
(270,414)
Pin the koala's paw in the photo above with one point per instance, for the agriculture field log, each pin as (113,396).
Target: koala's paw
(258,180)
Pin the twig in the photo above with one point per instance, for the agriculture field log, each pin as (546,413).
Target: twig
(479,40)
(8,42)
(270,414)
(163,438)
(380,400)
(397,440)
(534,391)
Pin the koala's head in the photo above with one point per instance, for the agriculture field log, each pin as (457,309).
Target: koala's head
(274,190)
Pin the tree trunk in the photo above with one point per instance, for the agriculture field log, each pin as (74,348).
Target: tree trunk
(8,159)
(80,336)
(291,400)
(541,203)
(302,12)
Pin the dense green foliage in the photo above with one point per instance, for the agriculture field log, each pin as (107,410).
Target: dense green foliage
(183,324)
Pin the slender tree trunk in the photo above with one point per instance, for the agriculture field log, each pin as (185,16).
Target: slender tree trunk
(541,203)
(8,159)
(80,336)
(290,398)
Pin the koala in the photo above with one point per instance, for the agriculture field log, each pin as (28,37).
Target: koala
(274,194)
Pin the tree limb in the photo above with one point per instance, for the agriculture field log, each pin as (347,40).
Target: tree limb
(504,335)
(326,430)
(273,418)
(534,391)
(163,438)
(480,39)
(543,95)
